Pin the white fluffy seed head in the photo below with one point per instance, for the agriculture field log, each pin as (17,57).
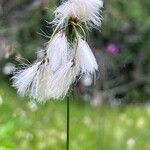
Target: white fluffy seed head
(33,81)
(39,89)
(57,51)
(23,79)
(41,83)
(86,58)
(53,77)
(87,12)
(62,80)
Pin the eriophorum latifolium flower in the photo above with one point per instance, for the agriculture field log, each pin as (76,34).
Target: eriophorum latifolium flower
(85,12)
(68,55)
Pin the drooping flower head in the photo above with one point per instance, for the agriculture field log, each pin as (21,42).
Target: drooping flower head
(68,55)
(58,51)
(87,12)
(85,57)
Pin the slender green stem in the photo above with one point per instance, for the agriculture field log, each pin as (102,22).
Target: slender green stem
(85,37)
(68,123)
(74,25)
(54,32)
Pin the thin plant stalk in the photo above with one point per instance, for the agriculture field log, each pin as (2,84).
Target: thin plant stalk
(68,123)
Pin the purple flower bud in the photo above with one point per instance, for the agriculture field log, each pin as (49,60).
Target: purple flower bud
(112,48)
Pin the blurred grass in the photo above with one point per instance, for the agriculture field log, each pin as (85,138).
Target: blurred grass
(27,126)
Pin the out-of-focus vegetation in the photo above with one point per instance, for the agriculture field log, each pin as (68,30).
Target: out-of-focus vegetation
(125,34)
(29,126)
(122,46)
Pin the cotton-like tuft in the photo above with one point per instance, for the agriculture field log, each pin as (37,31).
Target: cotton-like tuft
(67,55)
(40,88)
(87,12)
(33,81)
(23,79)
(62,80)
(41,83)
(58,51)
(86,58)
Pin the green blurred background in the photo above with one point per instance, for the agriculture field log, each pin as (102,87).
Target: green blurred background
(112,114)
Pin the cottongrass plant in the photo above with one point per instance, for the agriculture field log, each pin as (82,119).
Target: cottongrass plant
(86,12)
(67,57)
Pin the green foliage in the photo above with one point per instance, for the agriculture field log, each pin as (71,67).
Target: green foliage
(26,126)
(126,23)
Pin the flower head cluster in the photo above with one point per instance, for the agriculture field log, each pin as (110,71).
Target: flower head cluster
(84,12)
(68,55)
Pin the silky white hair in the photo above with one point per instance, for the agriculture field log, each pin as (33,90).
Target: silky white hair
(41,83)
(86,58)
(23,79)
(65,58)
(87,12)
(32,81)
(58,51)
(62,80)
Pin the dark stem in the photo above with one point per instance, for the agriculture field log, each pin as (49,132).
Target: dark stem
(68,123)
